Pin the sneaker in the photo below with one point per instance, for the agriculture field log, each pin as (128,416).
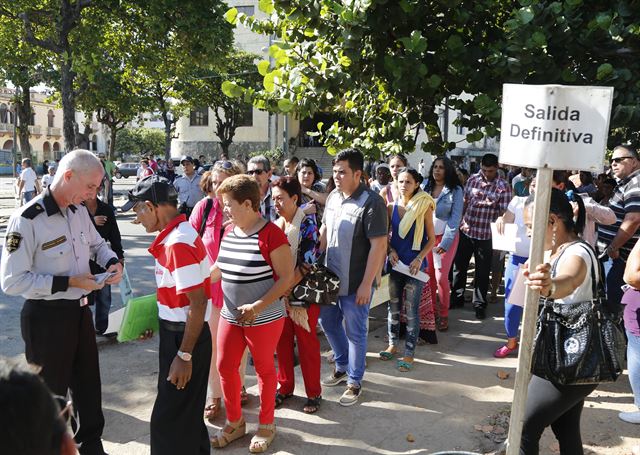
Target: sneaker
(504,351)
(350,396)
(631,417)
(335,378)
(481,313)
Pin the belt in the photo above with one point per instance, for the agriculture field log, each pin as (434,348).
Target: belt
(56,303)
(172,326)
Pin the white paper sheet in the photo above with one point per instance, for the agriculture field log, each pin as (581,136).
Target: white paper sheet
(506,241)
(516,297)
(403,268)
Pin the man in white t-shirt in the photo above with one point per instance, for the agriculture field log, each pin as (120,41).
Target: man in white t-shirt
(28,185)
(48,178)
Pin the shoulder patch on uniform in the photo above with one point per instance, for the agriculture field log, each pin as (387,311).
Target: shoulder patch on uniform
(53,243)
(12,241)
(32,211)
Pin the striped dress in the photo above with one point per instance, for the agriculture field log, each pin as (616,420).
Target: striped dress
(247,273)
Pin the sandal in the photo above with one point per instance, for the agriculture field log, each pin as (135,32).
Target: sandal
(224,438)
(443,324)
(280,397)
(312,405)
(388,353)
(244,396)
(260,444)
(212,410)
(404,366)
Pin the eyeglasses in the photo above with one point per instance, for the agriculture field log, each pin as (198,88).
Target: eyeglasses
(256,172)
(224,164)
(620,159)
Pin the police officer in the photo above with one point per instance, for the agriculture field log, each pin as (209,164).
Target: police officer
(188,186)
(46,259)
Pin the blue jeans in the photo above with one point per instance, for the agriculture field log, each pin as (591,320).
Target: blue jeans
(102,306)
(633,365)
(350,346)
(28,195)
(614,286)
(512,313)
(399,285)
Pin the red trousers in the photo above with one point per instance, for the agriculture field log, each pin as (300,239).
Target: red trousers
(308,353)
(262,341)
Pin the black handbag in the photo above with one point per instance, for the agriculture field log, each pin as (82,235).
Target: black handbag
(320,286)
(580,342)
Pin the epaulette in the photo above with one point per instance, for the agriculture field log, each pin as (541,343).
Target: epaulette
(32,211)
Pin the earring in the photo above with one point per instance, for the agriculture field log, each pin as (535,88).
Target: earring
(553,237)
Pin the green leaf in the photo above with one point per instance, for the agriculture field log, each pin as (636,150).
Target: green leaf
(434,81)
(604,71)
(525,15)
(332,150)
(345,61)
(263,67)
(349,105)
(231,89)
(266,6)
(271,79)
(285,105)
(539,39)
(406,6)
(454,43)
(231,16)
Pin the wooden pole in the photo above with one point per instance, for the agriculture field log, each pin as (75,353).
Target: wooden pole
(544,179)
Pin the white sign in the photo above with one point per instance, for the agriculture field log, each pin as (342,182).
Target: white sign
(557,126)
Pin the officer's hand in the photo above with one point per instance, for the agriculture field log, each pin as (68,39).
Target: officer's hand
(179,373)
(117,269)
(84,281)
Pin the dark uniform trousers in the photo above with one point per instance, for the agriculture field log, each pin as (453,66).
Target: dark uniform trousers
(59,336)
(177,426)
(482,250)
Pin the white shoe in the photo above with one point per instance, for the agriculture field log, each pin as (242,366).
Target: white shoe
(631,417)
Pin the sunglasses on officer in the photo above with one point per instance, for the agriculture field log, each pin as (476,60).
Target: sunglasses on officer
(620,159)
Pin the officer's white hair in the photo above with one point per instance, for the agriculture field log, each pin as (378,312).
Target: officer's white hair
(78,160)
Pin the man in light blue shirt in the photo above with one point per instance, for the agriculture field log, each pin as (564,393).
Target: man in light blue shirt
(188,186)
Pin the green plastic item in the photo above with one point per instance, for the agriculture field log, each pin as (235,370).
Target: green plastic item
(140,314)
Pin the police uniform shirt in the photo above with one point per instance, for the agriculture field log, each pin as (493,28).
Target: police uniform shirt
(44,246)
(188,189)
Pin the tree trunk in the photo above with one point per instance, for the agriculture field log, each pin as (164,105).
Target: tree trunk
(112,146)
(68,104)
(168,134)
(24,116)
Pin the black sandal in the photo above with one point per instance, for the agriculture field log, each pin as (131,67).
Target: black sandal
(280,397)
(312,405)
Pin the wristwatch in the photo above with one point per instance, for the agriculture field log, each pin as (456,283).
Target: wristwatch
(185,356)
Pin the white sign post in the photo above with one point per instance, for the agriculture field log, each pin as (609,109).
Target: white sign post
(547,127)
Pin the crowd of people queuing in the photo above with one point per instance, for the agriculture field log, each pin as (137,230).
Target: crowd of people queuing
(233,241)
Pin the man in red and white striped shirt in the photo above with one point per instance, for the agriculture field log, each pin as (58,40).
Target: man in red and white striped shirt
(184,304)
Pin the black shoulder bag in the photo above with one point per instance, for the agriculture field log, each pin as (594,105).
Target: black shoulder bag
(580,342)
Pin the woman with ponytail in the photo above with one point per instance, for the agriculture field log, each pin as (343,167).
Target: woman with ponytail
(412,237)
(548,403)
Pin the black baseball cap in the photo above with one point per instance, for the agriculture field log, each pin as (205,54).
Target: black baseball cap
(186,158)
(154,189)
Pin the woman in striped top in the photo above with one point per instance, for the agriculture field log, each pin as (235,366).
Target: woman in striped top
(256,269)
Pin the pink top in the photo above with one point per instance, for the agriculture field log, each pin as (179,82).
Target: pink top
(210,238)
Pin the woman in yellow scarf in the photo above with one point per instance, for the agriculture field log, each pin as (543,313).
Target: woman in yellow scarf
(412,237)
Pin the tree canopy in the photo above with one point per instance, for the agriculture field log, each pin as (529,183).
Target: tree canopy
(387,67)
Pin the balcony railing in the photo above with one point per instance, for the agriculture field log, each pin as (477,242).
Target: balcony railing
(6,127)
(51,131)
(34,129)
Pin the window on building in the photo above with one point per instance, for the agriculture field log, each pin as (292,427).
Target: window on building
(5,114)
(94,143)
(459,128)
(32,117)
(50,118)
(199,117)
(245,115)
(248,10)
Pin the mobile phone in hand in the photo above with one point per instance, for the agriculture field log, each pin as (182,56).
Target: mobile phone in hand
(102,277)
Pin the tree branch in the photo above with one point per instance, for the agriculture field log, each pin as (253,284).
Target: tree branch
(31,39)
